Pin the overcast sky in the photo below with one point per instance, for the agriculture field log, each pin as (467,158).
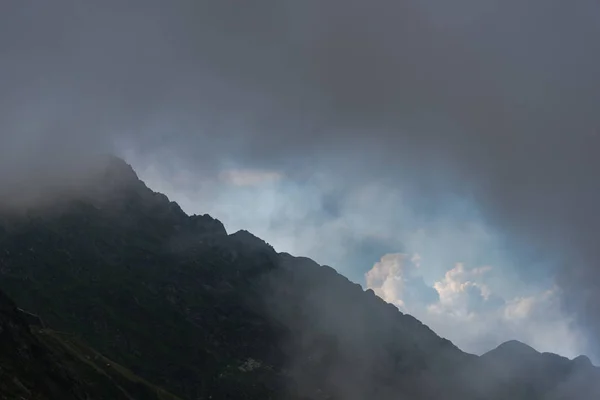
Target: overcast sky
(442,153)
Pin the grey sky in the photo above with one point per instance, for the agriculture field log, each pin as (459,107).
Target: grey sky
(387,115)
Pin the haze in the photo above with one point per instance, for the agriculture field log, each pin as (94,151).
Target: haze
(444,155)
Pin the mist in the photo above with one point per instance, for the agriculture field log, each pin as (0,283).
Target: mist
(383,114)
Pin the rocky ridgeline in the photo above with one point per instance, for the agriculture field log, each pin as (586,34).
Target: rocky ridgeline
(205,314)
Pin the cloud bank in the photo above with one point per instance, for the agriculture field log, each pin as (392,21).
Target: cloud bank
(485,107)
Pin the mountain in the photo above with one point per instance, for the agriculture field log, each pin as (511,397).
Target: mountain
(24,366)
(517,370)
(45,365)
(179,302)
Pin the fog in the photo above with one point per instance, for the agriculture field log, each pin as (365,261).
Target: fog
(490,102)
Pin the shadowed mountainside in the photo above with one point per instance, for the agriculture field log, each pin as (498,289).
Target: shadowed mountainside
(177,300)
(45,365)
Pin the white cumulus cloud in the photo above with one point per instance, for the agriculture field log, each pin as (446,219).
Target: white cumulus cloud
(463,308)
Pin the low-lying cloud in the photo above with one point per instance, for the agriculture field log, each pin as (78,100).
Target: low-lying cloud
(484,106)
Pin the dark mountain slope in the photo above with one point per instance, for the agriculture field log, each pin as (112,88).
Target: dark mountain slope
(517,370)
(181,303)
(26,368)
(46,365)
(101,378)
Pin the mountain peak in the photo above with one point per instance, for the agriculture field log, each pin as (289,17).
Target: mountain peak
(42,185)
(117,167)
(248,239)
(512,349)
(110,173)
(582,361)
(515,345)
(208,224)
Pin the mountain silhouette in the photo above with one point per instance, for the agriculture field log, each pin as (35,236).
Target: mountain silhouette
(38,363)
(178,303)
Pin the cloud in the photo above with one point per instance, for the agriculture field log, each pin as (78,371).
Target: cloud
(465,310)
(396,281)
(249,177)
(472,306)
(432,101)
(461,292)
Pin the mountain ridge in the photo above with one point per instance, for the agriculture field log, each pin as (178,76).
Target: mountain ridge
(187,306)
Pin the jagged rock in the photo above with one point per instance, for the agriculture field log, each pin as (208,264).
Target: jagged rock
(207,225)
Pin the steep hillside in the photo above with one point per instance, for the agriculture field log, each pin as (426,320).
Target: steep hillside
(26,368)
(46,365)
(180,302)
(100,377)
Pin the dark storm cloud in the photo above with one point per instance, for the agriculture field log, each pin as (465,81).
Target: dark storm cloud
(494,100)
